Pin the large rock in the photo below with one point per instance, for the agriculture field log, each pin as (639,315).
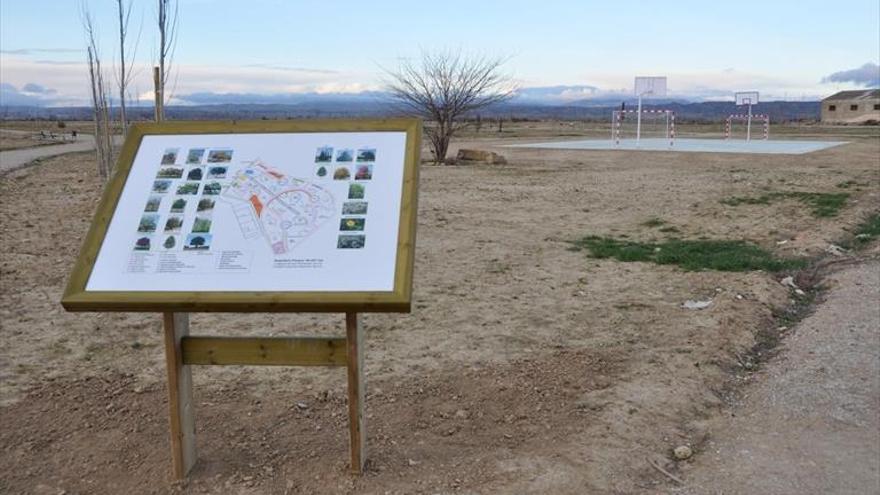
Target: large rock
(490,157)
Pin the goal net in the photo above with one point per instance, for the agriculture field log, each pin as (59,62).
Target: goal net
(736,127)
(656,124)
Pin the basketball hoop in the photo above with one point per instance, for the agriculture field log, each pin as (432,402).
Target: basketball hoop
(647,87)
(748,98)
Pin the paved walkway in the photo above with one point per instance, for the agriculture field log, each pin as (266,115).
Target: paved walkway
(811,422)
(13,159)
(700,145)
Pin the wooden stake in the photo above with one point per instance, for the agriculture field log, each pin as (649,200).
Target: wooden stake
(180,400)
(157,94)
(354,336)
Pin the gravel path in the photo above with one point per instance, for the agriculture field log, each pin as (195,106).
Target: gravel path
(13,159)
(811,423)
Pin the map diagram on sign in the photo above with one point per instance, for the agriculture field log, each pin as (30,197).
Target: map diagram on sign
(282,209)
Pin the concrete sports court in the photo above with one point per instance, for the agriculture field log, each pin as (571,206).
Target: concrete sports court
(776,147)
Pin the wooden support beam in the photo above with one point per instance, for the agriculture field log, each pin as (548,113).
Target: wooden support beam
(354,336)
(182,350)
(281,351)
(180,399)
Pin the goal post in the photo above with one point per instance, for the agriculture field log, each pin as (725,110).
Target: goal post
(664,118)
(747,118)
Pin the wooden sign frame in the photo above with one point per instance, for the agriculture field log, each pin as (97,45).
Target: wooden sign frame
(182,351)
(77,298)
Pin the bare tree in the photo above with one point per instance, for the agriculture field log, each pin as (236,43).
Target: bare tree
(123,77)
(100,102)
(167,20)
(445,86)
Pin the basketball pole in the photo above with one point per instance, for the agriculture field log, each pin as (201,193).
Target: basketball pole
(749,124)
(639,121)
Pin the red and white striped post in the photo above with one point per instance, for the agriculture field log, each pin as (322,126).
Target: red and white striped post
(619,115)
(617,118)
(737,116)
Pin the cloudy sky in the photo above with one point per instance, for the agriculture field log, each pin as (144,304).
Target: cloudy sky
(786,49)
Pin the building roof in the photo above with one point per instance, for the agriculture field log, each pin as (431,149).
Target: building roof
(859,94)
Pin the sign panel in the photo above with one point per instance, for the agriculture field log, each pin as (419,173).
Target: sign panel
(650,86)
(269,216)
(746,98)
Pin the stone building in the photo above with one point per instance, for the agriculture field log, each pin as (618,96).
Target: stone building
(852,107)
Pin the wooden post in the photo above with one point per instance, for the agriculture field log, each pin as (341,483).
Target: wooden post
(354,336)
(180,397)
(157,94)
(180,400)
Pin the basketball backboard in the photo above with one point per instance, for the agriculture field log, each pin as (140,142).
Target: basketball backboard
(746,97)
(650,86)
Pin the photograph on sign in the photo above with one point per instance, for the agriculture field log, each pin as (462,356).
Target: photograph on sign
(257,212)
(650,86)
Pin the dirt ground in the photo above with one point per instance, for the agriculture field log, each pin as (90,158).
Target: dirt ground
(524,367)
(13,140)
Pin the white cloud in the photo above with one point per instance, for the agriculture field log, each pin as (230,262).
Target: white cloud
(37,89)
(30,51)
(70,79)
(712,85)
(867,75)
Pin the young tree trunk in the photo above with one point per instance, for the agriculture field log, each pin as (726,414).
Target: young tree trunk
(160,105)
(123,82)
(168,17)
(96,112)
(109,157)
(442,148)
(440,138)
(100,104)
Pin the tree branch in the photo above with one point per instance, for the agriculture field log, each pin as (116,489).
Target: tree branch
(443,87)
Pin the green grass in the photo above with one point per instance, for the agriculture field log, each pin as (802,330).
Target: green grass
(690,255)
(867,231)
(823,205)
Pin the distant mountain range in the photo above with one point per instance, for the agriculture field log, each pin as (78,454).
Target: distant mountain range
(559,102)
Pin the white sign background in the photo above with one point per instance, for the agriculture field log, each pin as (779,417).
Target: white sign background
(233,262)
